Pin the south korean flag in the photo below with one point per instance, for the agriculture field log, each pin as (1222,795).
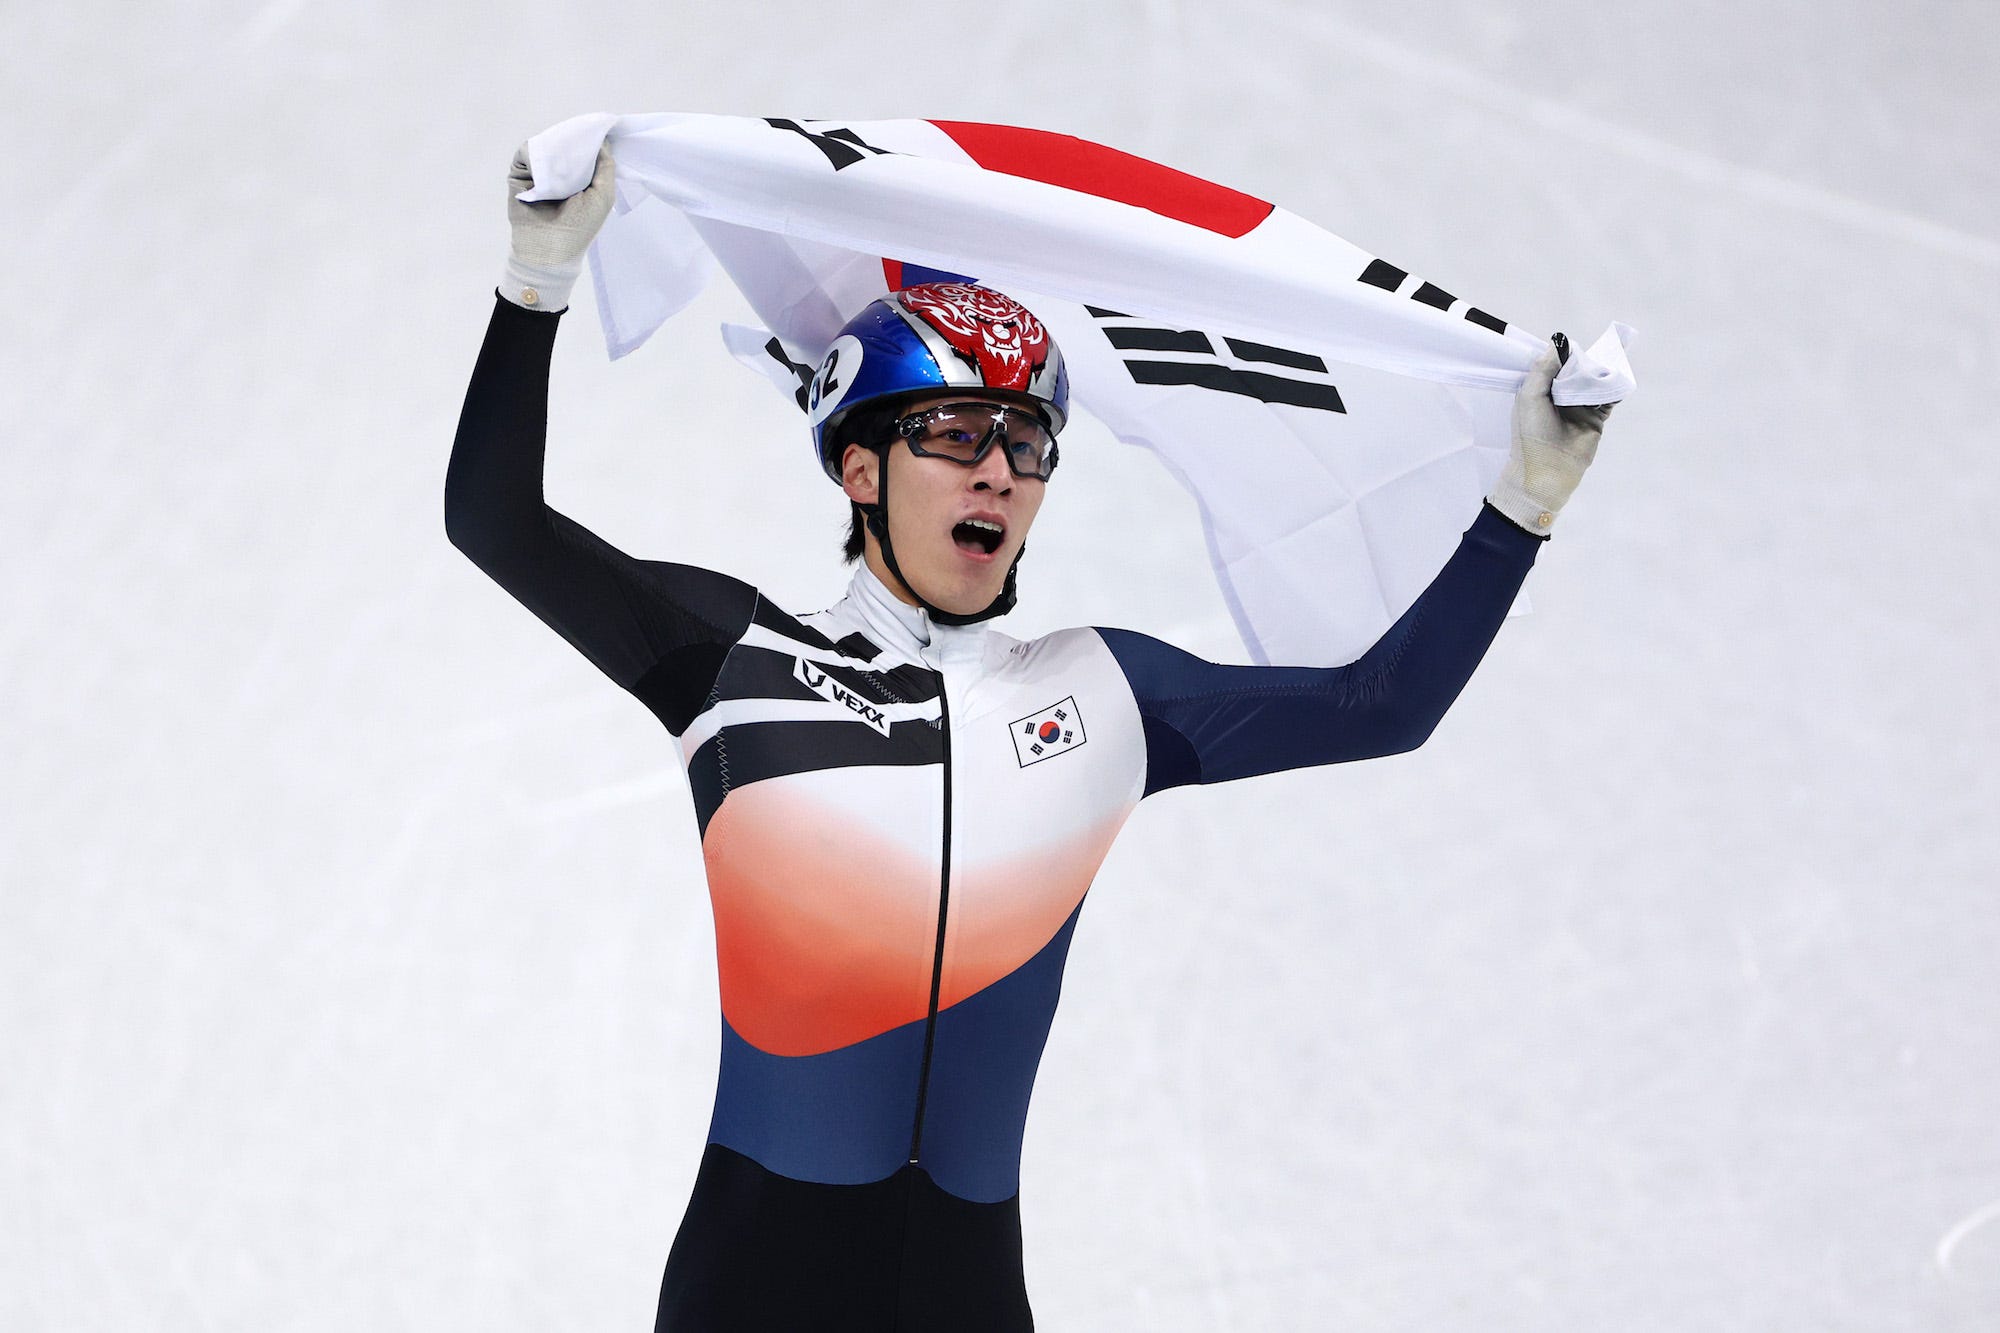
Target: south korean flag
(1336,417)
(1055,730)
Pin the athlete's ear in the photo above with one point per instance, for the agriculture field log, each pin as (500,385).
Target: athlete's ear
(858,475)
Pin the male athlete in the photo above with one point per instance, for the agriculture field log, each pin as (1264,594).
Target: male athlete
(900,808)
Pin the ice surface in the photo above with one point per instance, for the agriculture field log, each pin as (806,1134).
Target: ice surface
(355,967)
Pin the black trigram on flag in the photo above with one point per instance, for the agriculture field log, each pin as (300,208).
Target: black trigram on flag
(796,369)
(1381,273)
(842,147)
(1191,358)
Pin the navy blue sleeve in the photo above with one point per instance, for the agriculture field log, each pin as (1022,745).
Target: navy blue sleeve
(660,630)
(1206,722)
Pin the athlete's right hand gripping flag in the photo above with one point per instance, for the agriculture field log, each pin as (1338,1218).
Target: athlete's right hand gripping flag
(1336,418)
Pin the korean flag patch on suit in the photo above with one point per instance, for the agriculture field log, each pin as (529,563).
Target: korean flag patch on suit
(1055,730)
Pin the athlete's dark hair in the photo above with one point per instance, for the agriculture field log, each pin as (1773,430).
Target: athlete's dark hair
(857,527)
(865,426)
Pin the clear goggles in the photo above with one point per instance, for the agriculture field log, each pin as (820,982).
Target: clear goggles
(964,432)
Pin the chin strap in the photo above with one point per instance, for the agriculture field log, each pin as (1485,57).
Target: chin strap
(877,518)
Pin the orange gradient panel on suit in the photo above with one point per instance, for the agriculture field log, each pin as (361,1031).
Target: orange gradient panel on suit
(1028,838)
(825,927)
(1005,910)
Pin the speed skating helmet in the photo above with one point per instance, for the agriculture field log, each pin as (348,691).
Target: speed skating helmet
(936,336)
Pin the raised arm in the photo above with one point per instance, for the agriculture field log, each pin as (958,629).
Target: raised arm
(659,630)
(1206,722)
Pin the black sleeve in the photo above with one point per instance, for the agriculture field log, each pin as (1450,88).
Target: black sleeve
(659,630)
(1206,722)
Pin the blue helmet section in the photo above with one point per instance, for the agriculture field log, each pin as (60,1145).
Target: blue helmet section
(877,355)
(880,354)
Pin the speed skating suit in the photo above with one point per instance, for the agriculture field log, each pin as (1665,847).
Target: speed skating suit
(899,821)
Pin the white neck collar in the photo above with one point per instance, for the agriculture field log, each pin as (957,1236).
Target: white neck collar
(907,628)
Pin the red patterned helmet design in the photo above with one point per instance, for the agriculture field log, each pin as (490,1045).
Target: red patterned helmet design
(996,333)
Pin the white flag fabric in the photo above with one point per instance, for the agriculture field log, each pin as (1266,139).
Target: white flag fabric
(1336,418)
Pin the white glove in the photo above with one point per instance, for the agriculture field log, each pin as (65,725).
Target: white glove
(550,237)
(1552,447)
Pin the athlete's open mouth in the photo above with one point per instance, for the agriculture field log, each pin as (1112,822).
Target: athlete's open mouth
(978,535)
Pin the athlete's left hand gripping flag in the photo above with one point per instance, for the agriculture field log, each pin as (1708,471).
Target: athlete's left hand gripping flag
(1337,418)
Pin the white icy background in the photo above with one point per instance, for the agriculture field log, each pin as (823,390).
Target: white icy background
(355,967)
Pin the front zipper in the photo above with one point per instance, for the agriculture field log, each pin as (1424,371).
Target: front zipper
(944,904)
